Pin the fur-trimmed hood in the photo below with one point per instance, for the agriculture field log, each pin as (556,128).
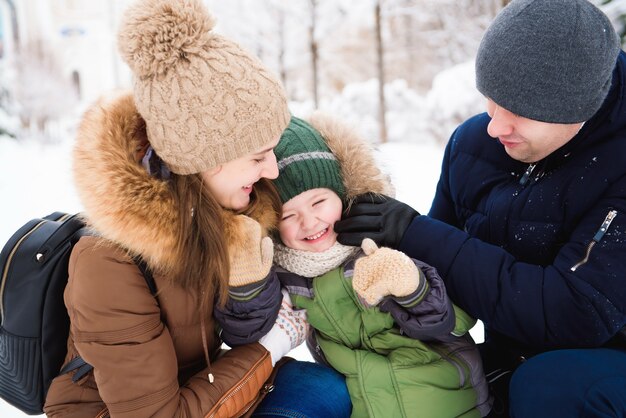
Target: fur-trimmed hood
(122,202)
(359,169)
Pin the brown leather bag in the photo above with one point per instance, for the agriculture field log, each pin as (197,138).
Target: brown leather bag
(268,386)
(224,408)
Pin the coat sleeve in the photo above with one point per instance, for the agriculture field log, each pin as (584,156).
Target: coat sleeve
(116,326)
(432,317)
(543,306)
(250,311)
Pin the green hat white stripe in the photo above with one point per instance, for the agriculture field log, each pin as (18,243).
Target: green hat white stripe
(320,155)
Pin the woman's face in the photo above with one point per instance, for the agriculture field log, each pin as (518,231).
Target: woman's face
(231,183)
(308,220)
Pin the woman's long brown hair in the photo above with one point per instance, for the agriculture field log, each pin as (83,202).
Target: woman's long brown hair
(201,238)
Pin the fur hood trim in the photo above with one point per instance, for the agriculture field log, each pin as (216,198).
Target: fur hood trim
(359,169)
(121,201)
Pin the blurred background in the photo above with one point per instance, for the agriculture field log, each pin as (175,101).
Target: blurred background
(400,71)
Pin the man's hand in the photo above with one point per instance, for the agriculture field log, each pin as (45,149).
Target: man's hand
(379,217)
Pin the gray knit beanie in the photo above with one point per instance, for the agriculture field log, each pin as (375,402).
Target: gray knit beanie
(548,60)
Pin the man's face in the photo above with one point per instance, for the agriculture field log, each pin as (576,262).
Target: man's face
(527,140)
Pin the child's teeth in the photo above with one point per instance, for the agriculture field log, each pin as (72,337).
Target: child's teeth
(316,236)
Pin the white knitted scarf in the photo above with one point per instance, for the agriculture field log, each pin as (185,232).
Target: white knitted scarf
(311,264)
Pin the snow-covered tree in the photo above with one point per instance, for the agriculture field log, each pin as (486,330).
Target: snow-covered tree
(8,122)
(41,93)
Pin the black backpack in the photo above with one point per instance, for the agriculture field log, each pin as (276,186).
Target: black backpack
(34,321)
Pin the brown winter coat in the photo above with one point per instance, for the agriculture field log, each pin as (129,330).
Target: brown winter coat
(147,353)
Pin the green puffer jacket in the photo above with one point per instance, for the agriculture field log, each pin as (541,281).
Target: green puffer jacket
(388,373)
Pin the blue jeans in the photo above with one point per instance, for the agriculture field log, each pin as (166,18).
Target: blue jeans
(306,390)
(582,383)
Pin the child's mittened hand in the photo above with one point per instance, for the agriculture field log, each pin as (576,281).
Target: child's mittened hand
(250,253)
(383,272)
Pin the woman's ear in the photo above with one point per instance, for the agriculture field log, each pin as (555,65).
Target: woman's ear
(212,171)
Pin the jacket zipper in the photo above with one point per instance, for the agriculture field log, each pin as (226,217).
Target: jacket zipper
(104,413)
(526,176)
(39,257)
(596,238)
(238,388)
(5,272)
(267,388)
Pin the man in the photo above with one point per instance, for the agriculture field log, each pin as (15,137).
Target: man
(528,224)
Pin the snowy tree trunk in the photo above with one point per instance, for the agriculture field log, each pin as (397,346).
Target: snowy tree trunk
(381,76)
(314,54)
(281,46)
(409,41)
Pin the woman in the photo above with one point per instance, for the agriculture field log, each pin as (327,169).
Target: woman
(167,175)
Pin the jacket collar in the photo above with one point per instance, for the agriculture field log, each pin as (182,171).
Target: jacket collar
(608,120)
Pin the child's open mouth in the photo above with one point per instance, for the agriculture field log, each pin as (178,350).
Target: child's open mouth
(317,236)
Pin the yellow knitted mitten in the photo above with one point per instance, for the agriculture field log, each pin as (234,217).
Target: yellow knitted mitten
(383,272)
(249,252)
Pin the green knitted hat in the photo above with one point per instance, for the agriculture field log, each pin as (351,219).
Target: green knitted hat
(305,162)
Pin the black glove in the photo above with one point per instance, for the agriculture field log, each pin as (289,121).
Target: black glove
(378,217)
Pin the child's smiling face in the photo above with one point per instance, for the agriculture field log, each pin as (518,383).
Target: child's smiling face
(308,219)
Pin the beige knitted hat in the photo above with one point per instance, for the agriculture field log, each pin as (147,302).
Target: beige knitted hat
(204,99)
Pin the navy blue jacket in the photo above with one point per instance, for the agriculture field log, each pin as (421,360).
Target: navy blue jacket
(512,247)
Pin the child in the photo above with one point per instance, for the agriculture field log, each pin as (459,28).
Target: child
(381,319)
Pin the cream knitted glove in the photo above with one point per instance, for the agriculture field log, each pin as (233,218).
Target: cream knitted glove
(384,272)
(289,331)
(250,254)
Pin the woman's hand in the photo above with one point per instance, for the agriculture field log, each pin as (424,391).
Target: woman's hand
(249,252)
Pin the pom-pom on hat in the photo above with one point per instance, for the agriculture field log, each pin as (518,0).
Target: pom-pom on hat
(548,60)
(205,100)
(305,162)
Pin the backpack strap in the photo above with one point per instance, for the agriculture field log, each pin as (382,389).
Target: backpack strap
(147,274)
(80,365)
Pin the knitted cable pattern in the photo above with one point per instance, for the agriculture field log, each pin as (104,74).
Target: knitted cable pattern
(310,264)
